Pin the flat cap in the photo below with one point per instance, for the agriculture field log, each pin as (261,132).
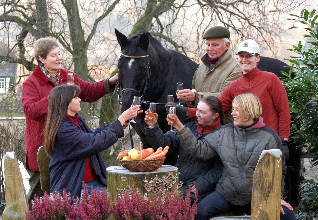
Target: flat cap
(217,32)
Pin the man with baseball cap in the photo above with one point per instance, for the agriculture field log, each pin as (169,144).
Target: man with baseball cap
(218,68)
(265,85)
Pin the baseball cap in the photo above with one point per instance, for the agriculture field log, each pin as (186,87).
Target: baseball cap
(250,46)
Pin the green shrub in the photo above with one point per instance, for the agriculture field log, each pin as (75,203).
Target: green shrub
(308,207)
(303,88)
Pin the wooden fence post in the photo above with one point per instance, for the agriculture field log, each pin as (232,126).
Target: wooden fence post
(266,196)
(16,201)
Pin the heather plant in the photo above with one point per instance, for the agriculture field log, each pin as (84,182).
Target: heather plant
(53,206)
(163,206)
(132,205)
(93,206)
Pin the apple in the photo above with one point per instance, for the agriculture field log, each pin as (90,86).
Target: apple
(151,150)
(122,154)
(134,154)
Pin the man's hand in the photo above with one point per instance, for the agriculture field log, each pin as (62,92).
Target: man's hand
(186,95)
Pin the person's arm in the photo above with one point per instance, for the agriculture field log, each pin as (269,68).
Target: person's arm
(280,100)
(34,107)
(74,144)
(92,91)
(226,99)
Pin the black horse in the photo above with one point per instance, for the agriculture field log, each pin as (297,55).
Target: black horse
(149,70)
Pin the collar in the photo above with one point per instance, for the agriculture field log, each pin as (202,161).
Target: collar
(209,128)
(226,56)
(251,74)
(41,77)
(54,78)
(258,123)
(74,119)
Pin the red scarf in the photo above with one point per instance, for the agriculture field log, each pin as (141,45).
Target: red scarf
(88,175)
(209,128)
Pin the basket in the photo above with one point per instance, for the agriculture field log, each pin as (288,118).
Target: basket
(142,165)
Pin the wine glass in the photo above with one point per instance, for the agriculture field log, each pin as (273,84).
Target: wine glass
(179,87)
(170,102)
(152,109)
(172,110)
(70,79)
(136,101)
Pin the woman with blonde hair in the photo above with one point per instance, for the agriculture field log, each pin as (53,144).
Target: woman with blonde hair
(239,145)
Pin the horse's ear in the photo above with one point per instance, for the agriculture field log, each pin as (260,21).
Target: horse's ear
(144,41)
(121,38)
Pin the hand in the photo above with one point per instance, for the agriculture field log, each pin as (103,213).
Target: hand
(151,118)
(113,80)
(128,114)
(174,121)
(287,205)
(186,95)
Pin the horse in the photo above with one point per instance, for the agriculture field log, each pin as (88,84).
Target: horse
(149,70)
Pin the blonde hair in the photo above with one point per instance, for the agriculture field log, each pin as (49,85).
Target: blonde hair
(43,46)
(249,106)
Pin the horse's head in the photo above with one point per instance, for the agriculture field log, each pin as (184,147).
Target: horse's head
(134,66)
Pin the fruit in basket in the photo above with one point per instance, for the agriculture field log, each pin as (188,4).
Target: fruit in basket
(122,154)
(134,154)
(151,150)
(146,154)
(126,158)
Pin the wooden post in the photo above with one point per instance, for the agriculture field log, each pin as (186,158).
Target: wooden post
(16,201)
(120,180)
(44,162)
(267,179)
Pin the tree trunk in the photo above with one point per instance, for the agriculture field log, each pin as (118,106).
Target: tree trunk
(121,180)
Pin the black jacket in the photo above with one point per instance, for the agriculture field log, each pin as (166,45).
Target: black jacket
(203,174)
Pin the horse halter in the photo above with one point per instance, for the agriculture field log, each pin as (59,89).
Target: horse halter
(142,93)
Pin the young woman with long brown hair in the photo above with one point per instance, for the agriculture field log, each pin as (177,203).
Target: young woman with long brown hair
(73,147)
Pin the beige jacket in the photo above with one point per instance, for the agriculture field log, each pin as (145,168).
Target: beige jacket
(212,81)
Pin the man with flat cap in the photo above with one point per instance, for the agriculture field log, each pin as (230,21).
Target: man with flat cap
(218,68)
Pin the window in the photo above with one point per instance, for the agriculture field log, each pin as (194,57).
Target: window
(2,85)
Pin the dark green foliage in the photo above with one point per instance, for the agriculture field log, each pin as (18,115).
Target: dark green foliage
(303,88)
(308,207)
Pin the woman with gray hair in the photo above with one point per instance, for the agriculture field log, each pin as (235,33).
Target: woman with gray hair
(239,145)
(35,90)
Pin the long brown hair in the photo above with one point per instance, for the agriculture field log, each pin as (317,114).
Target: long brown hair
(59,99)
(215,105)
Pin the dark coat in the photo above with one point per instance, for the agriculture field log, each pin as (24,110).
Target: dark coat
(191,170)
(72,147)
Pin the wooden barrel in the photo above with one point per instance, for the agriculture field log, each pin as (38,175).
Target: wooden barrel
(120,180)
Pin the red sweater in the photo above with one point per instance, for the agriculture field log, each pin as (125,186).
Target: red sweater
(272,94)
(35,91)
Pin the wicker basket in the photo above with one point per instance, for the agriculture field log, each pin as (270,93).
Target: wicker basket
(142,165)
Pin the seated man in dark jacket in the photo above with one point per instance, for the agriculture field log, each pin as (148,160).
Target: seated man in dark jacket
(73,147)
(192,171)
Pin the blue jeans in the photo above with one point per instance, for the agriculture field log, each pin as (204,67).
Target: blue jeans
(215,203)
(93,185)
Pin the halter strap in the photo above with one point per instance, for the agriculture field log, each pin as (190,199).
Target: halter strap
(135,57)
